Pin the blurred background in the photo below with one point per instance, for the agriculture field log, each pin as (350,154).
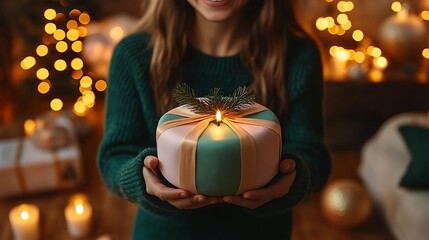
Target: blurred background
(54,61)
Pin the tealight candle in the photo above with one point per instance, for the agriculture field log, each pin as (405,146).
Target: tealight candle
(24,220)
(78,215)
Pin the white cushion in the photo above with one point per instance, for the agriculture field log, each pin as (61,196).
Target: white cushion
(385,159)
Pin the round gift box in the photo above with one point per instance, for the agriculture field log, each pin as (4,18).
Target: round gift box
(218,160)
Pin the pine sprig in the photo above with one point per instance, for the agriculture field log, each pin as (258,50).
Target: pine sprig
(241,98)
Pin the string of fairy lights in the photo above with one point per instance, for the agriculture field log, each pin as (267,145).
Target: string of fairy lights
(65,40)
(365,52)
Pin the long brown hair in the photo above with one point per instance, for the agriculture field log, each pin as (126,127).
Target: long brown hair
(263,52)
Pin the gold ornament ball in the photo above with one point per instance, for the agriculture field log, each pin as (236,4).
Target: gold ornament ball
(403,38)
(346,203)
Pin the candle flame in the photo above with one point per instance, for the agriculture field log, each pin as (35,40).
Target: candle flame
(79,209)
(24,215)
(218,117)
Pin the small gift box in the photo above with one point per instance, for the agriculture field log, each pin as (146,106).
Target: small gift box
(25,167)
(223,152)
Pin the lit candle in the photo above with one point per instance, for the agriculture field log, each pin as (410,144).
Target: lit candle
(78,216)
(24,220)
(218,117)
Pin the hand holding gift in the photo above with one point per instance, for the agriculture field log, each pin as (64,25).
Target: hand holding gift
(179,198)
(216,146)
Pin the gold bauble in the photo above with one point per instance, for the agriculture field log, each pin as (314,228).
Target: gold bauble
(346,203)
(403,37)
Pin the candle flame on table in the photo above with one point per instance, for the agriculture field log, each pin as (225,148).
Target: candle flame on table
(218,117)
(79,209)
(24,215)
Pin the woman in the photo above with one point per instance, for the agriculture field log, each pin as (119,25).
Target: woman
(207,44)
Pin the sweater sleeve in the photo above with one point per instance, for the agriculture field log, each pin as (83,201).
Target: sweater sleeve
(302,129)
(127,137)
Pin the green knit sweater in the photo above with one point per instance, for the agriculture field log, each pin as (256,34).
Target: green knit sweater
(130,128)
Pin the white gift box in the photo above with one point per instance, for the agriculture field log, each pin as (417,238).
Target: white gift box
(26,168)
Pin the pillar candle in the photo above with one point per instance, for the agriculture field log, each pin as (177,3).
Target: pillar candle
(78,214)
(24,220)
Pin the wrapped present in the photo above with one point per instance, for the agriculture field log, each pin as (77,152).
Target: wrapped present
(25,167)
(222,153)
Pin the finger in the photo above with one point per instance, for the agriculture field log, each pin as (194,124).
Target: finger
(151,162)
(192,202)
(243,202)
(276,190)
(287,166)
(154,186)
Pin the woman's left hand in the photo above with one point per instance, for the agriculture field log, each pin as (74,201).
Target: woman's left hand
(255,198)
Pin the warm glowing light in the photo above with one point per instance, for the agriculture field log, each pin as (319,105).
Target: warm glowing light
(342,18)
(376,52)
(359,57)
(332,50)
(72,34)
(88,97)
(50,28)
(83,90)
(425,15)
(84,18)
(77,74)
(218,117)
(24,215)
(78,198)
(59,34)
(79,209)
(28,62)
(56,104)
(345,6)
(358,35)
(342,54)
(29,127)
(43,87)
(42,73)
(331,22)
(77,64)
(381,62)
(42,50)
(376,76)
(347,25)
(116,33)
(333,30)
(72,24)
(60,65)
(74,13)
(50,14)
(79,108)
(61,46)
(77,46)
(101,85)
(425,53)
(82,31)
(341,31)
(86,82)
(329,1)
(396,6)
(351,54)
(321,24)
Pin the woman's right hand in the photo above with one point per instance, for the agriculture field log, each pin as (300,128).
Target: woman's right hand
(179,198)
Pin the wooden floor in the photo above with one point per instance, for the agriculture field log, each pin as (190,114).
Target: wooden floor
(113,217)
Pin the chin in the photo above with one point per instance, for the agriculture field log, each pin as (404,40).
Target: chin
(217,11)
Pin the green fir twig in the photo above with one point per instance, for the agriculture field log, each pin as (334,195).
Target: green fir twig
(241,98)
